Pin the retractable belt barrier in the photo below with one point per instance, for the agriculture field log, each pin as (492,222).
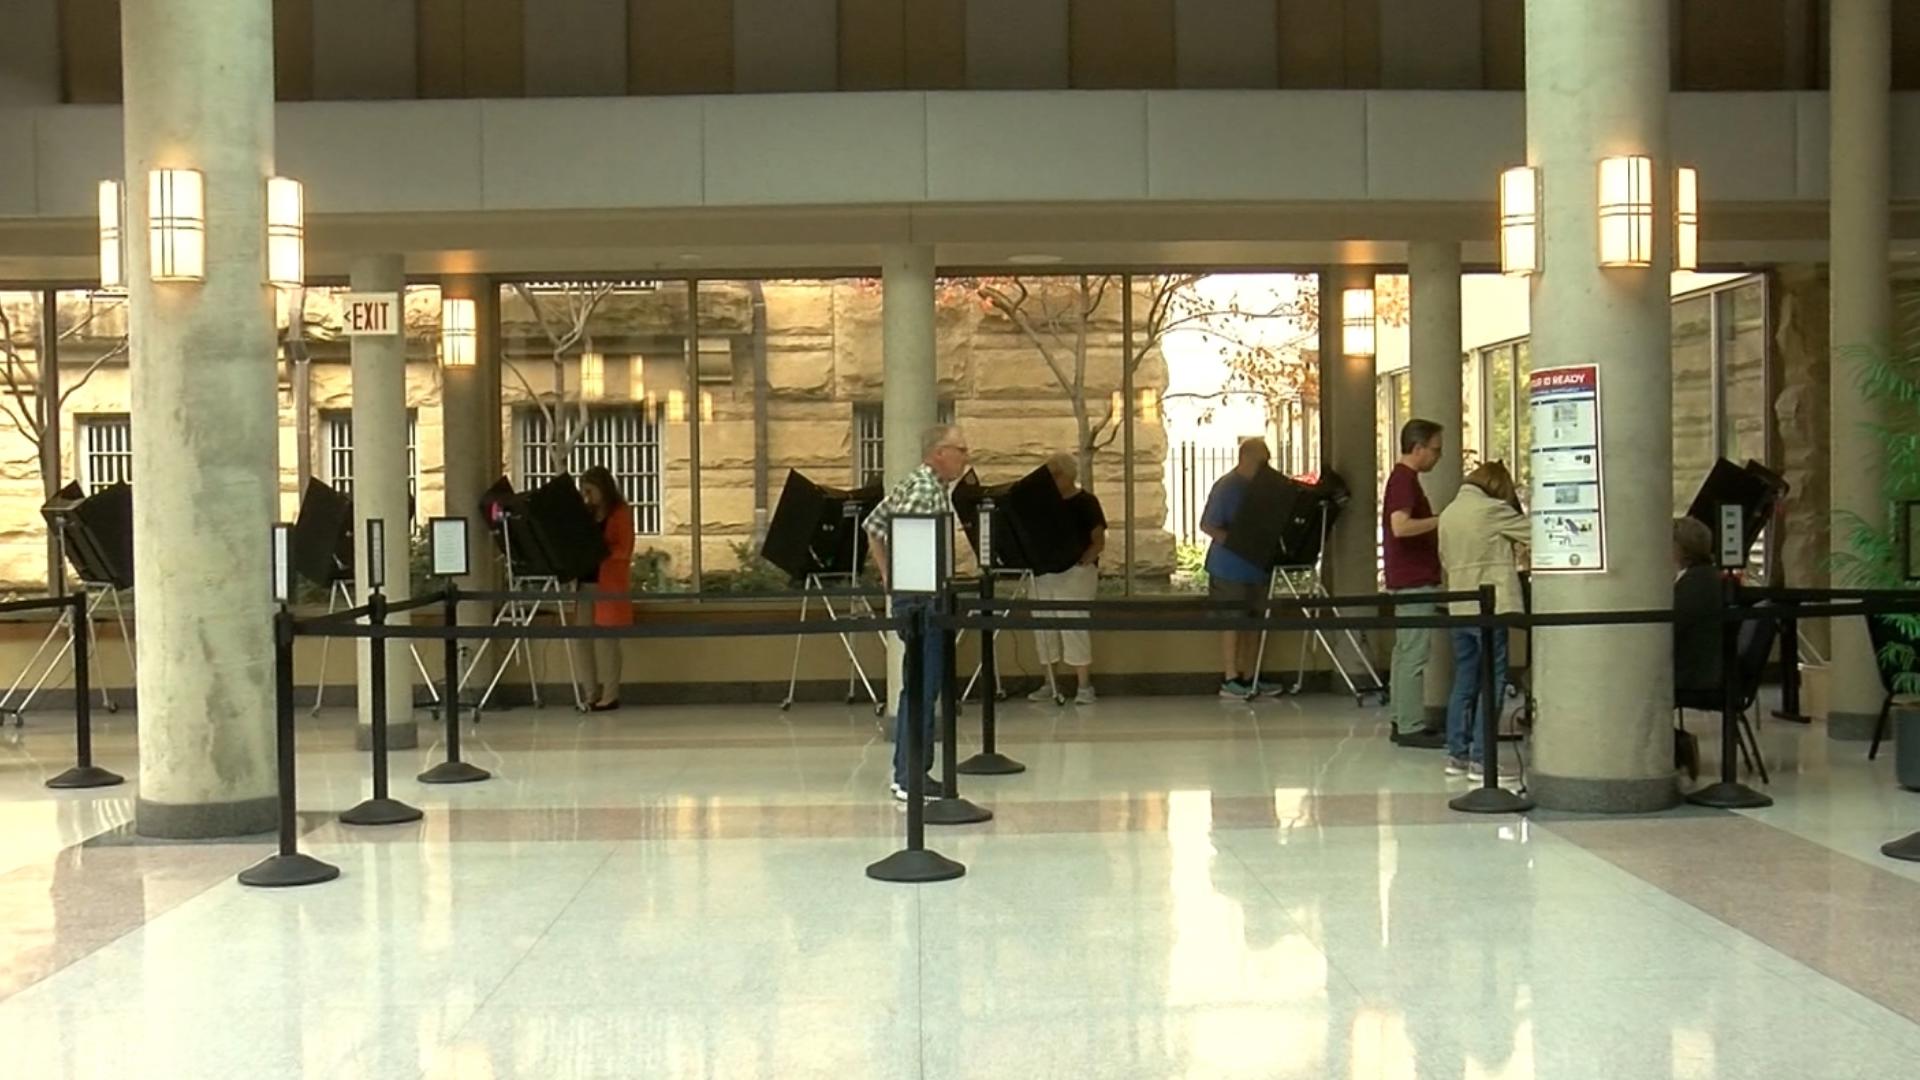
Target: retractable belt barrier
(73,609)
(952,612)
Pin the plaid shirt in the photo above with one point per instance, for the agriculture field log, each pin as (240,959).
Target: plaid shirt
(919,492)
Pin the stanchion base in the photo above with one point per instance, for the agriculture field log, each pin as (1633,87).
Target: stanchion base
(86,776)
(990,765)
(1906,848)
(1791,718)
(381,812)
(282,871)
(915,867)
(955,811)
(1727,795)
(454,772)
(1491,800)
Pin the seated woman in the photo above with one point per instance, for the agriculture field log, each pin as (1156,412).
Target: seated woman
(1481,535)
(1697,646)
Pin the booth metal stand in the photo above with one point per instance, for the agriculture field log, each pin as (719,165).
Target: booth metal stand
(1307,583)
(819,584)
(99,594)
(522,613)
(340,598)
(1022,590)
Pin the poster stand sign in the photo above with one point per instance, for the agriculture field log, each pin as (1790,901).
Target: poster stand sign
(1568,507)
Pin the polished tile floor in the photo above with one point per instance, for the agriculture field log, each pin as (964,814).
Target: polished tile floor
(1173,889)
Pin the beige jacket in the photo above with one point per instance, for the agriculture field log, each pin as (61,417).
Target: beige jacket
(1479,541)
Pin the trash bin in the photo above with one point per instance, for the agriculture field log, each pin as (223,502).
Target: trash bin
(1906,747)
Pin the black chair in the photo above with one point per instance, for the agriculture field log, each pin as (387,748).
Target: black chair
(1756,638)
(1883,632)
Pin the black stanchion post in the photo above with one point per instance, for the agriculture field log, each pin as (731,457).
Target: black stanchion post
(1907,848)
(288,867)
(379,810)
(915,863)
(989,761)
(452,770)
(950,808)
(1490,797)
(1729,793)
(1790,673)
(84,774)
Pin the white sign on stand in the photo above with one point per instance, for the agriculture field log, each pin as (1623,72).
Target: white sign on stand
(371,314)
(1569,503)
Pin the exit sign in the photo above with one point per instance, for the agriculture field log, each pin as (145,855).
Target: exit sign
(372,314)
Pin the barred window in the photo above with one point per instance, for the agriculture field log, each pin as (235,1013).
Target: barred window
(870,440)
(106,450)
(338,426)
(625,439)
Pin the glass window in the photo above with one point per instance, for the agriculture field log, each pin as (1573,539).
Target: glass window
(623,439)
(870,440)
(1695,397)
(336,426)
(106,451)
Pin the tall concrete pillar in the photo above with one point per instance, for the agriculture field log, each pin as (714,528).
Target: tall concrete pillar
(1433,294)
(199,95)
(380,491)
(469,433)
(910,379)
(1862,320)
(1597,87)
(1347,418)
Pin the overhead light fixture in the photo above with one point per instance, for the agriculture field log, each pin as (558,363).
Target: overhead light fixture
(177,225)
(1626,211)
(113,253)
(1520,221)
(458,332)
(593,375)
(1686,219)
(286,233)
(1356,322)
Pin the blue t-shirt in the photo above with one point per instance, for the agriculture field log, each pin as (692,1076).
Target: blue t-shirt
(1223,504)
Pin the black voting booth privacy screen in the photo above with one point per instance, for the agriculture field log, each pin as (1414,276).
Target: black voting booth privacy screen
(1281,521)
(97,532)
(1754,487)
(322,544)
(550,529)
(811,532)
(1032,527)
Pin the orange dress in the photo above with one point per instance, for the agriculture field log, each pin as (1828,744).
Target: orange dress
(616,570)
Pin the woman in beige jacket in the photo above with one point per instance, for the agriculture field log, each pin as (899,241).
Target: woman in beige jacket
(1482,535)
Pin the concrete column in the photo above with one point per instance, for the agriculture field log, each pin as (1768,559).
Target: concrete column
(199,95)
(469,433)
(910,382)
(1347,409)
(380,492)
(1862,309)
(1597,86)
(1433,294)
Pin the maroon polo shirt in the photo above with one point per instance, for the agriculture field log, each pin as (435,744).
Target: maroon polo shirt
(1413,562)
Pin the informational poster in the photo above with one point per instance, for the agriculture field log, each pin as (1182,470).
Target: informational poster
(1569,505)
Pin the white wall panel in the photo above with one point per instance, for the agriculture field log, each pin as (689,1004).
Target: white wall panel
(784,46)
(1017,45)
(1431,44)
(811,148)
(1255,145)
(984,147)
(576,48)
(19,195)
(1744,145)
(1810,144)
(74,148)
(383,156)
(1226,43)
(363,49)
(591,153)
(1442,145)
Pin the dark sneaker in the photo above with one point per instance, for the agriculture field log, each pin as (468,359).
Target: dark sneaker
(1236,690)
(1420,740)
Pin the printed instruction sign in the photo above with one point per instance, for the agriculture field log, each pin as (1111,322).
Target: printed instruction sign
(1569,507)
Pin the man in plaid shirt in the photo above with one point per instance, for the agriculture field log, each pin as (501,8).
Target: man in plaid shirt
(943,458)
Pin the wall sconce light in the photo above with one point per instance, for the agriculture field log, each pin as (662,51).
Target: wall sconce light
(706,406)
(286,233)
(1626,211)
(1150,406)
(113,253)
(1356,322)
(593,375)
(177,225)
(676,407)
(1520,221)
(1686,219)
(458,332)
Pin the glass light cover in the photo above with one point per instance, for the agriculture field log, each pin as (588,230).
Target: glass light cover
(1686,219)
(1519,221)
(177,225)
(113,267)
(1626,211)
(1356,322)
(286,232)
(458,333)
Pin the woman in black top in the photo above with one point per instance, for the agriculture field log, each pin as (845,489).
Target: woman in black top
(1078,582)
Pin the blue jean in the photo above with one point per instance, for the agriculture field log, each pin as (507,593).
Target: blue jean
(933,677)
(1469,694)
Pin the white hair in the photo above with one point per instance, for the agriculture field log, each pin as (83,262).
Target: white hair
(936,437)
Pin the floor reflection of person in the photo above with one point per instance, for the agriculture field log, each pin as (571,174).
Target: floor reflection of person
(601,657)
(1078,582)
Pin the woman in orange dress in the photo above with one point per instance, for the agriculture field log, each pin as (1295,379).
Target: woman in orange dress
(603,498)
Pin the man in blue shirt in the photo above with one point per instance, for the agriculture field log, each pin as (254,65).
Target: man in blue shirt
(1231,577)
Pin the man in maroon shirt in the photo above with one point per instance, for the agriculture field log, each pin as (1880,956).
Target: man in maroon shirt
(1411,541)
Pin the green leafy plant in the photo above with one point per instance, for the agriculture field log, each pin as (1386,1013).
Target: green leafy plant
(755,574)
(652,570)
(1190,568)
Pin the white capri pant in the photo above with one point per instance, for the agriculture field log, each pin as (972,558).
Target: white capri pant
(1071,646)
